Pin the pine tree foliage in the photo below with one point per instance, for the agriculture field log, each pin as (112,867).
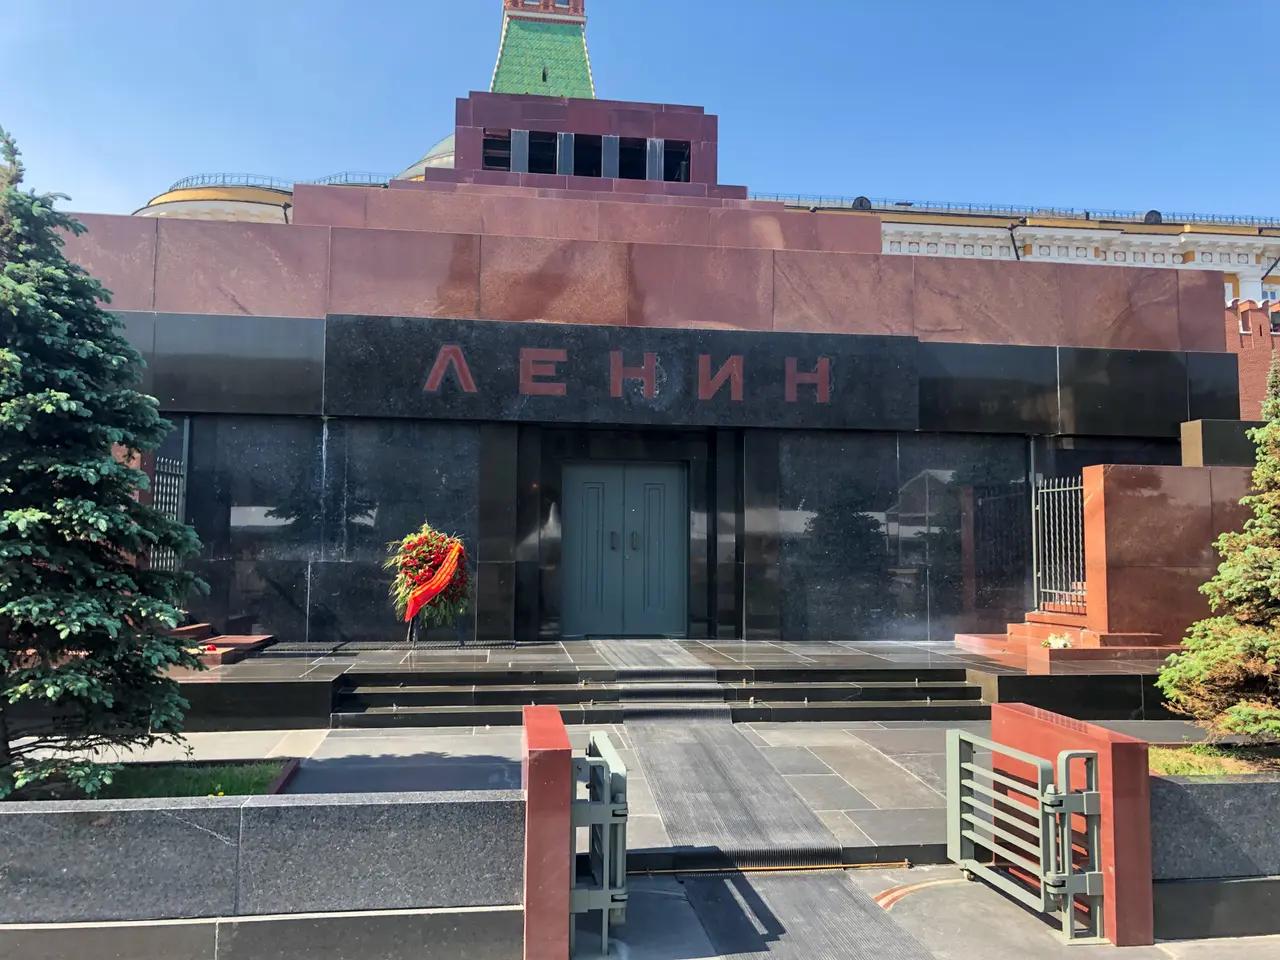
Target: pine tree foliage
(1228,672)
(84,644)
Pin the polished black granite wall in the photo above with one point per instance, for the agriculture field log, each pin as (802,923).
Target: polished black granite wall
(345,366)
(313,443)
(900,535)
(793,534)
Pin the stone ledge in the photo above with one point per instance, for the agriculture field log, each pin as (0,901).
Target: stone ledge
(117,860)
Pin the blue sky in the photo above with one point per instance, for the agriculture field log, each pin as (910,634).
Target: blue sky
(1102,103)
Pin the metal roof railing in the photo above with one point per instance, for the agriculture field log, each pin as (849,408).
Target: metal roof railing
(827,201)
(347,177)
(886,204)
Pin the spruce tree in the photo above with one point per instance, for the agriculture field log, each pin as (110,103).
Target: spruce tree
(84,643)
(1227,674)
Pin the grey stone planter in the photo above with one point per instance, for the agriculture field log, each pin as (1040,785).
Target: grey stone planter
(103,860)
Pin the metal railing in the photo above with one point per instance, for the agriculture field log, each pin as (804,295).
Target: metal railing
(603,811)
(885,204)
(1057,534)
(1036,839)
(169,493)
(347,177)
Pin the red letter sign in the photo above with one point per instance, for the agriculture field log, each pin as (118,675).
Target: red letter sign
(646,374)
(536,362)
(709,386)
(450,355)
(820,377)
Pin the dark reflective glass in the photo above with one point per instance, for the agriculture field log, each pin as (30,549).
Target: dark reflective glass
(988,389)
(836,562)
(1213,384)
(349,603)
(253,597)
(140,330)
(386,477)
(961,529)
(253,487)
(1118,393)
(233,364)
(1067,456)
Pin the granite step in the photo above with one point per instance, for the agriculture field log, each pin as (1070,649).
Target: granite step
(760,711)
(381,695)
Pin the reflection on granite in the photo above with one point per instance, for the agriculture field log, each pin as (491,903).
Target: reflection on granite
(916,535)
(253,487)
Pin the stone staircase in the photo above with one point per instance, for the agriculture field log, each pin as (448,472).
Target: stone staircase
(486,696)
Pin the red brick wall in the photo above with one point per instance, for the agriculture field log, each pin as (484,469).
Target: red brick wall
(1249,336)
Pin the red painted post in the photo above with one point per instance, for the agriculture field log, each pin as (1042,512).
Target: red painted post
(548,785)
(1125,784)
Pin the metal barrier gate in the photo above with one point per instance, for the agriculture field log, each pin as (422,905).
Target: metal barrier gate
(1037,842)
(1057,531)
(603,811)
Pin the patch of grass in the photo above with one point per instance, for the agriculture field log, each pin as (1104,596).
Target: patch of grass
(192,780)
(1208,760)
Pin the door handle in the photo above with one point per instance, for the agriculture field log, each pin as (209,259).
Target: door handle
(635,540)
(613,539)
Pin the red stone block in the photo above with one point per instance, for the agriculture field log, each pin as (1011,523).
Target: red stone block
(561,281)
(631,122)
(587,186)
(498,178)
(1140,502)
(588,116)
(974,301)
(121,253)
(329,206)
(638,186)
(795,230)
(468,148)
(545,113)
(672,189)
(704,163)
(256,269)
(545,181)
(843,293)
(405,273)
(680,286)
(1199,306)
(536,217)
(1164,600)
(675,125)
(1124,782)
(547,775)
(1228,485)
(423,210)
(653,223)
(1124,307)
(462,112)
(729,191)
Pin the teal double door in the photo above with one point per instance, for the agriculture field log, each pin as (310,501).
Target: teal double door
(625,546)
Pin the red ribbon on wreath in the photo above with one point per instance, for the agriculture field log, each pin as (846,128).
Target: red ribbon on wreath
(435,586)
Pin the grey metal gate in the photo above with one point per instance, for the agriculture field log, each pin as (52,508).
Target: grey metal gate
(169,496)
(1036,841)
(603,812)
(1058,544)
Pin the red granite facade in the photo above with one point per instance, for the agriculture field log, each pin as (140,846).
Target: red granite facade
(477,253)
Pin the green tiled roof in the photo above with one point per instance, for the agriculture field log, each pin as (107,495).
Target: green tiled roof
(534,49)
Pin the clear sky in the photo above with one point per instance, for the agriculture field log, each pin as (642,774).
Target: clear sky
(1103,103)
